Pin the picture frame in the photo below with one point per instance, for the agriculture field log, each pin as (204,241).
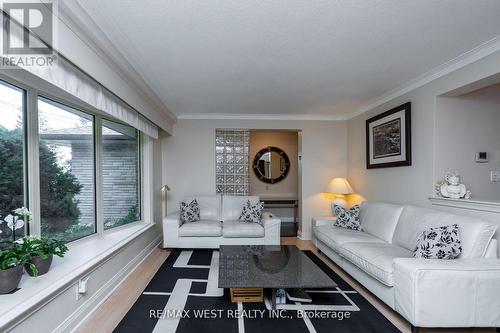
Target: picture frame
(388,138)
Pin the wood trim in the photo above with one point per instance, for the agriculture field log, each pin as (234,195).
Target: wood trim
(247,295)
(484,206)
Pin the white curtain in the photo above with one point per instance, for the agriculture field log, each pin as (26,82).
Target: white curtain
(71,79)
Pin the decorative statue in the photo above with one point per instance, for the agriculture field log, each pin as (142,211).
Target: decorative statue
(452,188)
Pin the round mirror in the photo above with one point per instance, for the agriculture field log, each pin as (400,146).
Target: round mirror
(271,165)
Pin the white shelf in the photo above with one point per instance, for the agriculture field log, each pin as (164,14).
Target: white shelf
(479,205)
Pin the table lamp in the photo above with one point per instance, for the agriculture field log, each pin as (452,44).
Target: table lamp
(339,187)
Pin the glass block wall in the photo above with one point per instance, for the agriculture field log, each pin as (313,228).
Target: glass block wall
(231,158)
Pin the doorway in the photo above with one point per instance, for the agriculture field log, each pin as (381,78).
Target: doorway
(274,174)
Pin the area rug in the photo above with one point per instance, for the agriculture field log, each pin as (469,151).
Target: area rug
(184,297)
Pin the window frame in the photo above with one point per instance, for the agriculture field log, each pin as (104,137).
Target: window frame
(140,174)
(24,112)
(39,89)
(44,98)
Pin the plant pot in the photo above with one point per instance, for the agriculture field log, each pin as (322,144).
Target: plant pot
(9,279)
(42,265)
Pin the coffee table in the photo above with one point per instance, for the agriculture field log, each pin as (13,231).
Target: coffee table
(272,267)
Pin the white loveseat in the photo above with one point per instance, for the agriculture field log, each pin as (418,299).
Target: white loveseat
(219,225)
(463,292)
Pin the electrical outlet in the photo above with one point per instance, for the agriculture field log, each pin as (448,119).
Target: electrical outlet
(81,288)
(495,176)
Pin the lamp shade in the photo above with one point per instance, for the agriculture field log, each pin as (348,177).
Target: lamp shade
(339,186)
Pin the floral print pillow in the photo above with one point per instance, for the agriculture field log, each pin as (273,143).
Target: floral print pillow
(190,212)
(439,243)
(252,213)
(347,218)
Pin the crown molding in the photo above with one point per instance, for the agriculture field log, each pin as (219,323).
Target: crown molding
(77,19)
(258,116)
(467,58)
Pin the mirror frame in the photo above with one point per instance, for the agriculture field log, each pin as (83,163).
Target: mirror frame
(255,165)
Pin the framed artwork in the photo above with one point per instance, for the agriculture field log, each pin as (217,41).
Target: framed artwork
(388,138)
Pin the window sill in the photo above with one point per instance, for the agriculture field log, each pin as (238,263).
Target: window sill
(478,205)
(83,256)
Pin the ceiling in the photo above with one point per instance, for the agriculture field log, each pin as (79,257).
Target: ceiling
(287,57)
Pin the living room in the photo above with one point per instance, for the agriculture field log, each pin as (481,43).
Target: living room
(250,166)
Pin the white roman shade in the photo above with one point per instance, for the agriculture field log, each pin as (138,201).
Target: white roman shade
(68,77)
(71,79)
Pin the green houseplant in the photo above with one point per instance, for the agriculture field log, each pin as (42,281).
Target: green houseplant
(40,253)
(12,259)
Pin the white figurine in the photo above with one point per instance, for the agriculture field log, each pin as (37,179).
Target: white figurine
(452,188)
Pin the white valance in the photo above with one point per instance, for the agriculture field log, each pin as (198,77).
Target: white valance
(72,80)
(68,77)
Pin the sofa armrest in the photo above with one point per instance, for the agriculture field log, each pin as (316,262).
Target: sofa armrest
(272,228)
(323,220)
(448,293)
(171,224)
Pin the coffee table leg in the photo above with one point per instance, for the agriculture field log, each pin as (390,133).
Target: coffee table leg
(273,303)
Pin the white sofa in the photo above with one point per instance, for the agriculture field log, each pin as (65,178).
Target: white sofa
(219,225)
(463,292)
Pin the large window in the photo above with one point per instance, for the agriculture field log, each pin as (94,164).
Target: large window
(120,174)
(12,160)
(67,182)
(78,173)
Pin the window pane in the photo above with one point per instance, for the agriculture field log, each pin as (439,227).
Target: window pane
(121,181)
(67,195)
(12,194)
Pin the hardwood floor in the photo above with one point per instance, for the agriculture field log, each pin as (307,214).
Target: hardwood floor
(107,316)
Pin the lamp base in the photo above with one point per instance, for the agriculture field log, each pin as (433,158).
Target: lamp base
(340,201)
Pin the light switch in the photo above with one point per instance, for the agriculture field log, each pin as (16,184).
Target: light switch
(495,176)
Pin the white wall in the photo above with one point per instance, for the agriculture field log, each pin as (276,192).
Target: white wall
(465,125)
(189,159)
(412,184)
(288,142)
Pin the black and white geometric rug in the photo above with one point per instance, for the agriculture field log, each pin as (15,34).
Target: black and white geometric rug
(184,297)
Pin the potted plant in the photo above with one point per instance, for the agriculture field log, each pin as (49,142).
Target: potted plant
(12,259)
(40,253)
(18,220)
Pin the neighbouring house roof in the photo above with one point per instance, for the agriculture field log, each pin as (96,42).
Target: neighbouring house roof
(81,133)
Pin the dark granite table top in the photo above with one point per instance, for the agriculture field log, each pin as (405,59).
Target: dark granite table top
(260,266)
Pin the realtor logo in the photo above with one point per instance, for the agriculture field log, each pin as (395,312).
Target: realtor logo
(28,34)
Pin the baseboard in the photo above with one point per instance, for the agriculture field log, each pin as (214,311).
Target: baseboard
(301,237)
(90,305)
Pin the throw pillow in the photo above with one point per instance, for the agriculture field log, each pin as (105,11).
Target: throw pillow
(190,212)
(439,243)
(347,218)
(252,213)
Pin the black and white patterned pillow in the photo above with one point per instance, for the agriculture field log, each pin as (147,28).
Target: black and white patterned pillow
(252,213)
(439,243)
(347,218)
(190,212)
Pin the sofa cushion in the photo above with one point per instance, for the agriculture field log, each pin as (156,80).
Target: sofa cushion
(189,212)
(475,234)
(439,243)
(236,229)
(347,218)
(380,219)
(335,237)
(203,228)
(375,259)
(252,213)
(232,206)
(210,206)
